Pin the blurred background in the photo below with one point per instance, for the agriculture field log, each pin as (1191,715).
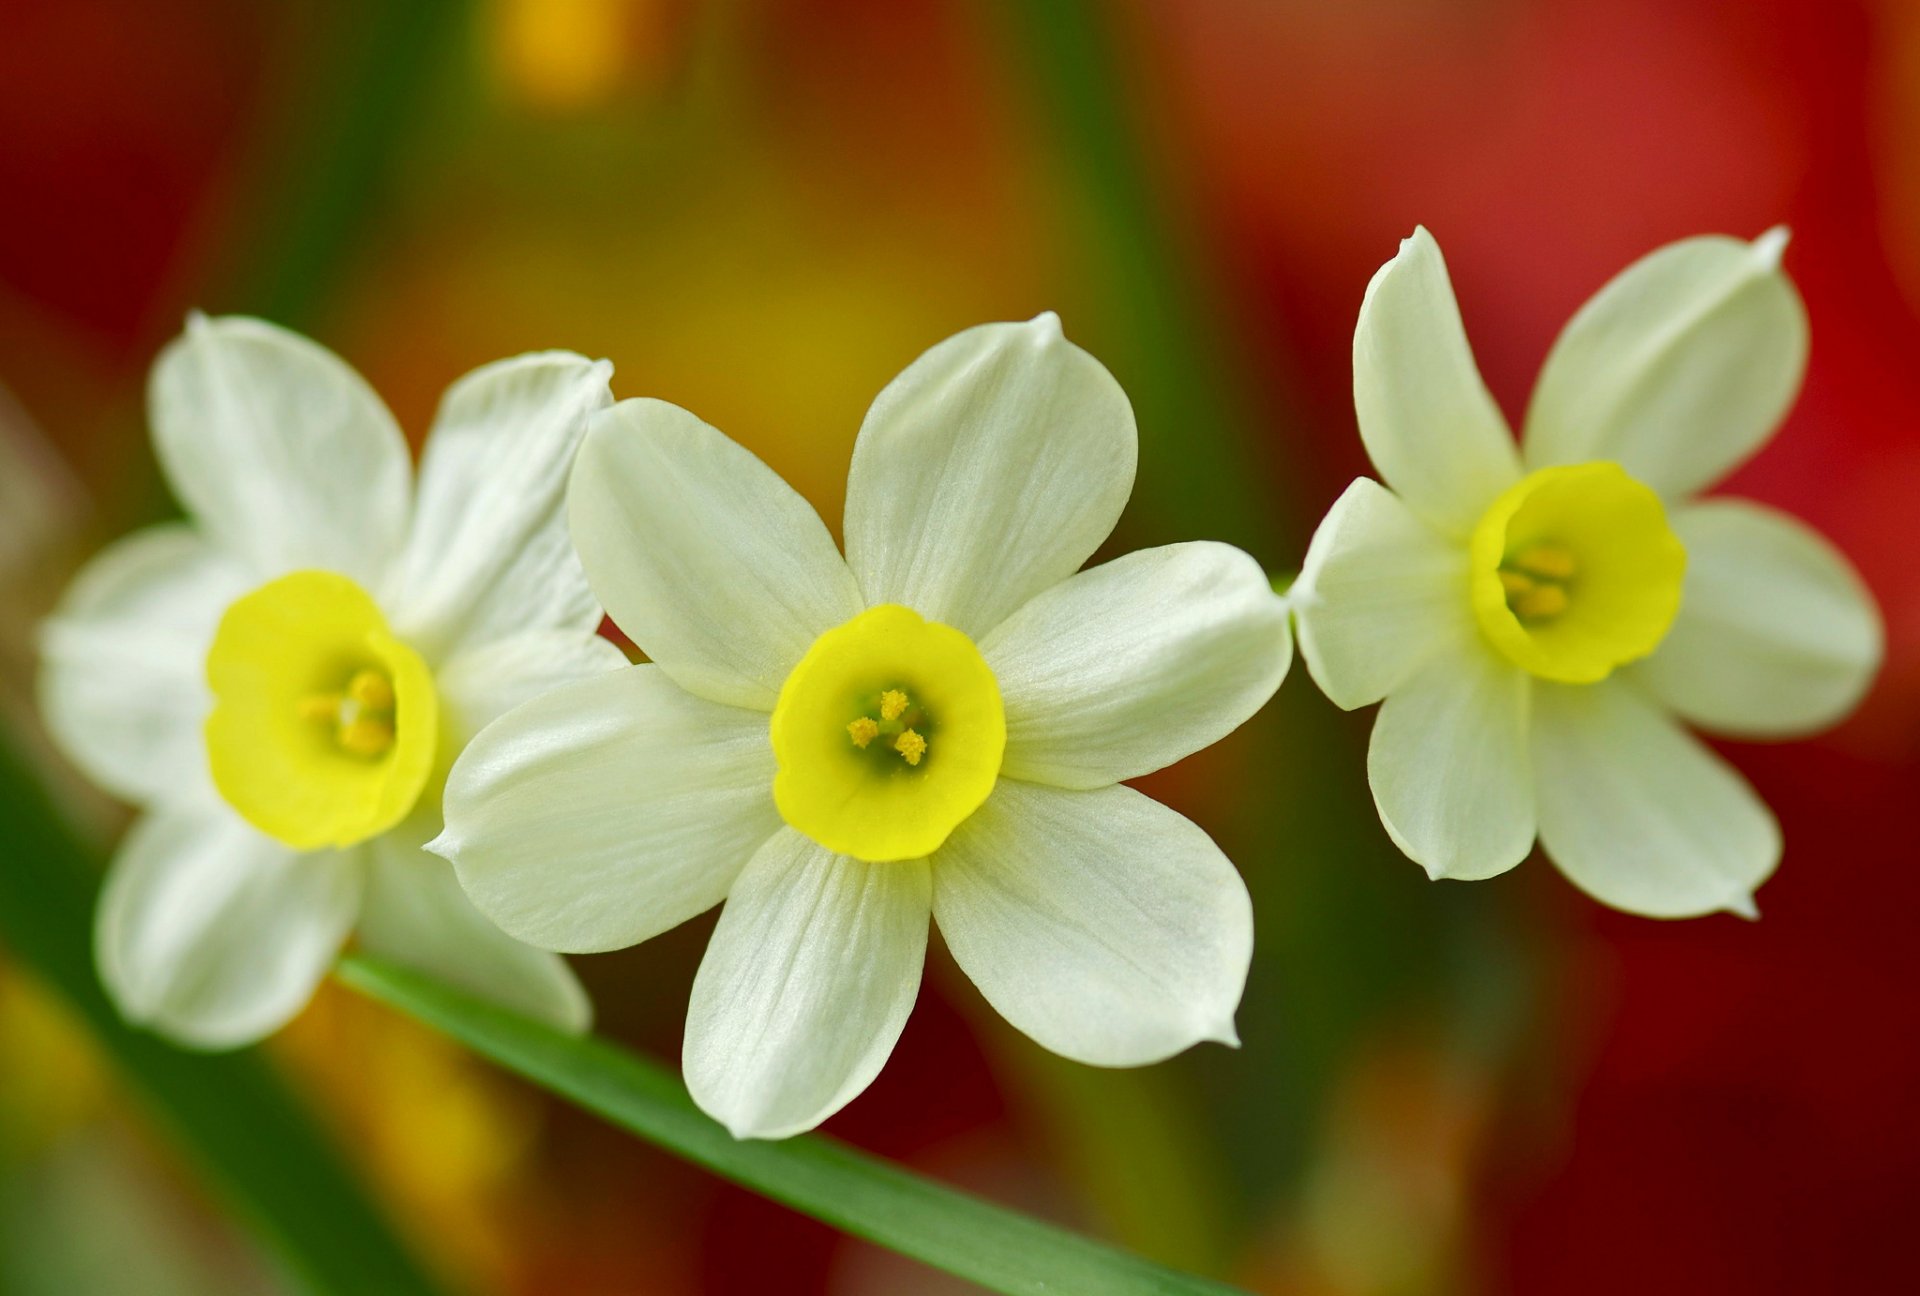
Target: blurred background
(762,210)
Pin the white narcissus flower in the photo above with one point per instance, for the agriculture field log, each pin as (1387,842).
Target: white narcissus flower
(935,725)
(282,681)
(1541,619)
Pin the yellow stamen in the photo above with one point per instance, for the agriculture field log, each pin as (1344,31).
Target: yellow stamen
(324,727)
(863,731)
(897,799)
(365,736)
(372,690)
(1546,560)
(322,708)
(1575,571)
(1540,603)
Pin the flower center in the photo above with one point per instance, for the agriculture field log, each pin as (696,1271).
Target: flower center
(324,726)
(887,734)
(901,724)
(1575,571)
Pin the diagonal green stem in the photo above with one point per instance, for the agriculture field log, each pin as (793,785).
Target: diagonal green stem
(230,1113)
(974,1239)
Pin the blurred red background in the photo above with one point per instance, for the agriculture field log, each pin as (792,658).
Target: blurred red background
(762,211)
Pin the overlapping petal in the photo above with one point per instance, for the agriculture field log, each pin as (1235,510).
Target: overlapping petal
(488,554)
(283,454)
(1638,813)
(1776,635)
(479,685)
(214,933)
(1104,925)
(715,567)
(416,914)
(1678,369)
(608,810)
(1428,422)
(811,973)
(123,676)
(1449,765)
(988,471)
(1129,666)
(1381,592)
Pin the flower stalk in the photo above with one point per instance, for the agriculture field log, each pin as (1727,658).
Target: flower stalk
(1000,1249)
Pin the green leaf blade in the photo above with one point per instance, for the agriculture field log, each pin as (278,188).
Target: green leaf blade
(998,1248)
(230,1113)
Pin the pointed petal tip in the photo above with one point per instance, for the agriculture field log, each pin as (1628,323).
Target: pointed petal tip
(1226,1033)
(1046,328)
(441,846)
(1771,246)
(1742,906)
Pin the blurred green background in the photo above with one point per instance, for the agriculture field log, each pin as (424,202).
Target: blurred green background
(762,211)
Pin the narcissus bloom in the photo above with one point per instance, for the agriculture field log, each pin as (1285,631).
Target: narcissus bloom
(282,681)
(1540,619)
(935,725)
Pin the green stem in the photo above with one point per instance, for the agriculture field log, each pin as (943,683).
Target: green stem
(230,1114)
(998,1248)
(324,168)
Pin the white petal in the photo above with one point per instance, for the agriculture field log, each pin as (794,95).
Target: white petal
(123,674)
(607,811)
(808,980)
(488,555)
(990,469)
(1776,636)
(1638,813)
(215,934)
(715,567)
(482,684)
(1129,666)
(1449,767)
(416,914)
(1104,925)
(282,453)
(1429,424)
(1678,369)
(1381,592)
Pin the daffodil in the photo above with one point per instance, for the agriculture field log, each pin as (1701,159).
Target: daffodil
(282,681)
(935,726)
(1543,620)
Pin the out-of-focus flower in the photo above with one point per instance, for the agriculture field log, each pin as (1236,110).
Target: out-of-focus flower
(51,1078)
(1536,619)
(282,682)
(450,1142)
(565,55)
(935,725)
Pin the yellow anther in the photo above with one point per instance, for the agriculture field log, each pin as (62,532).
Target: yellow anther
(1540,603)
(911,746)
(322,708)
(372,690)
(1514,583)
(893,704)
(365,736)
(1547,561)
(863,731)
